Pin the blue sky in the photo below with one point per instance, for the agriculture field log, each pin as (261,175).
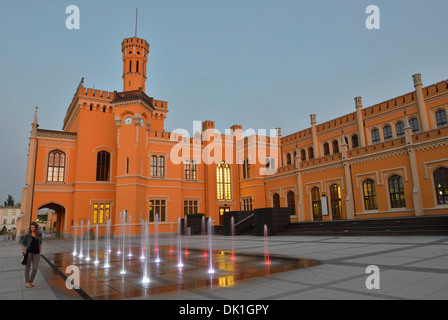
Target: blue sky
(261,64)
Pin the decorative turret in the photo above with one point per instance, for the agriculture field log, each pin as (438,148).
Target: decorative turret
(135,56)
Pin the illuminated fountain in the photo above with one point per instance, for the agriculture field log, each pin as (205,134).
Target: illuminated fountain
(120,235)
(210,269)
(156,238)
(129,231)
(96,262)
(75,240)
(82,236)
(88,241)
(147,253)
(179,244)
(107,253)
(186,235)
(204,236)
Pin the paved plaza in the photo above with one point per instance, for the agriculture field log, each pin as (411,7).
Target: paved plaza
(410,267)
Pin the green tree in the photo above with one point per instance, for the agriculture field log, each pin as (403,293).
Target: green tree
(10,201)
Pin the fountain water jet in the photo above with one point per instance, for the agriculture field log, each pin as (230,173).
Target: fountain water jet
(75,239)
(204,237)
(171,237)
(82,236)
(120,235)
(143,246)
(156,238)
(88,241)
(232,230)
(130,237)
(179,244)
(186,235)
(266,246)
(107,253)
(209,229)
(96,262)
(147,253)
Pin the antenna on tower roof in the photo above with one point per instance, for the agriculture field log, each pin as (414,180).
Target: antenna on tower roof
(136,17)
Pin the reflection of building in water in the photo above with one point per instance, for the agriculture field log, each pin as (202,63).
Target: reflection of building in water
(113,154)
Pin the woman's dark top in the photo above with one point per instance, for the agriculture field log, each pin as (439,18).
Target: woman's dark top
(34,247)
(29,238)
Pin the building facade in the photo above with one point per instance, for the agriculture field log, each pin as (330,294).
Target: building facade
(113,156)
(9,216)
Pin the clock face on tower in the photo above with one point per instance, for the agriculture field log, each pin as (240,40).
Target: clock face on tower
(127,121)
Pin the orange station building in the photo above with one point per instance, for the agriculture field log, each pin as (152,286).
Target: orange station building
(113,155)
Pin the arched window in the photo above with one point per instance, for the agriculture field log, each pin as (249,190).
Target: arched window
(387,130)
(56,166)
(441,118)
(375,136)
(317,204)
(335,145)
(369,189)
(441,185)
(399,128)
(102,166)
(161,166)
(326,149)
(355,141)
(223,182)
(276,200)
(291,202)
(303,155)
(288,159)
(310,153)
(153,166)
(396,192)
(336,202)
(414,125)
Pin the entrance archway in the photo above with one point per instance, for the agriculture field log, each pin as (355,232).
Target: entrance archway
(55,221)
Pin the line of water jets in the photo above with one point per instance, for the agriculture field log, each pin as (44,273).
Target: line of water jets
(125,239)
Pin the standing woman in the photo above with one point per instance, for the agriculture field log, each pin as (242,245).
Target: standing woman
(32,243)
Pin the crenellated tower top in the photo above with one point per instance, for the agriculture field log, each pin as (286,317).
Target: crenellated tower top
(135,56)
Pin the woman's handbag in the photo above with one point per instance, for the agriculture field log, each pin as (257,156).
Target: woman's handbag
(24,258)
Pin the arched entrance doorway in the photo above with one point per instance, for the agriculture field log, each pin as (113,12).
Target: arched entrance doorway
(51,219)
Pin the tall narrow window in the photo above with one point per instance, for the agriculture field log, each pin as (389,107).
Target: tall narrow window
(194,170)
(161,166)
(303,155)
(187,170)
(136,66)
(102,166)
(335,147)
(243,167)
(336,202)
(153,166)
(276,200)
(387,130)
(56,166)
(375,136)
(130,66)
(288,159)
(310,153)
(291,203)
(396,192)
(317,204)
(399,128)
(414,125)
(223,182)
(441,185)
(246,169)
(370,201)
(355,141)
(441,118)
(326,149)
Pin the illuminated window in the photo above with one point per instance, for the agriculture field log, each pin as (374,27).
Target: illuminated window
(336,202)
(369,188)
(190,170)
(157,207)
(191,207)
(102,166)
(317,204)
(187,170)
(223,182)
(396,192)
(441,185)
(194,170)
(101,213)
(56,166)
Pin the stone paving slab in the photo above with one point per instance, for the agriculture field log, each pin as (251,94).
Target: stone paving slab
(410,268)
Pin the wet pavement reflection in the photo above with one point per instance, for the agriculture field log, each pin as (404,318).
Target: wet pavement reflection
(100,283)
